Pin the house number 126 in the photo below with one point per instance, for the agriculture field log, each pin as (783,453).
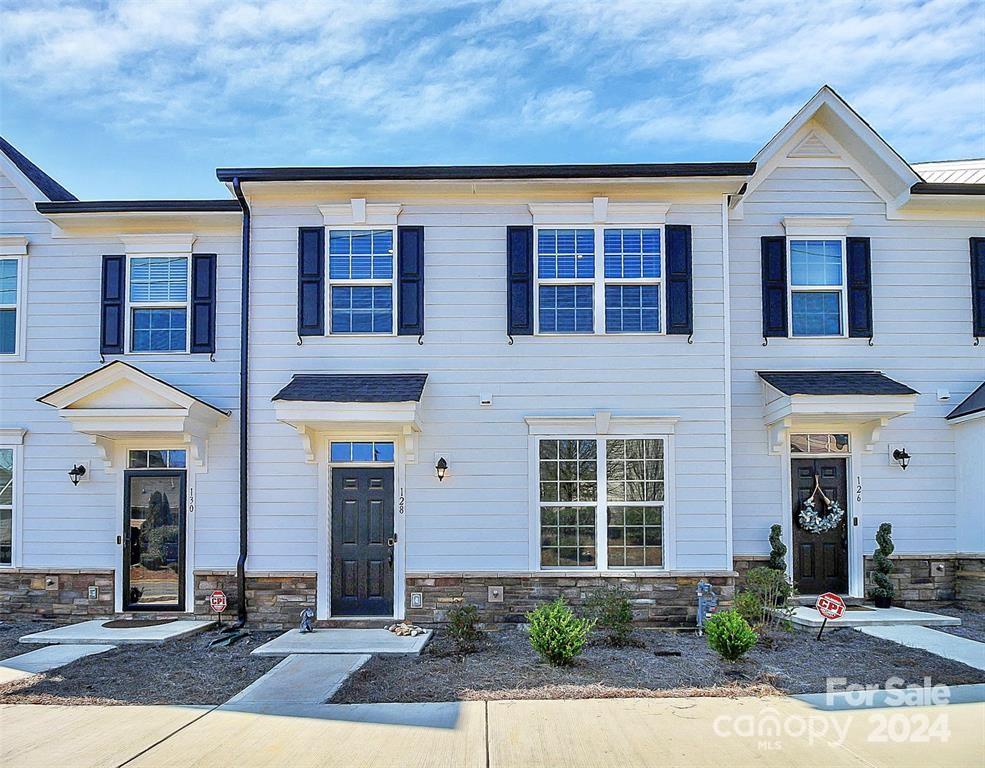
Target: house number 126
(858,488)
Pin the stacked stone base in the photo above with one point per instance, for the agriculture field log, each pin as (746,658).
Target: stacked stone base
(658,600)
(55,595)
(273,600)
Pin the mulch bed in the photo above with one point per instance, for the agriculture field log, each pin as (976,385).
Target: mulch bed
(972,623)
(508,668)
(12,631)
(184,671)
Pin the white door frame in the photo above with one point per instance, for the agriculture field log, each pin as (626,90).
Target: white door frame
(853,510)
(323,585)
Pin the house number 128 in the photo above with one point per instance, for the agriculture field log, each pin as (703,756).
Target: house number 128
(400,504)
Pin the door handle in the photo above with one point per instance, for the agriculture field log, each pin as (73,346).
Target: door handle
(119,541)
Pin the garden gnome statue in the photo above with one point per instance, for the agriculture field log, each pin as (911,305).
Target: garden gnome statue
(306,616)
(707,603)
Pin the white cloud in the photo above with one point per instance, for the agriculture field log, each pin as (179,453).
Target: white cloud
(640,77)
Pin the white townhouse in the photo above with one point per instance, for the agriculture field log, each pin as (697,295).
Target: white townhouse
(496,383)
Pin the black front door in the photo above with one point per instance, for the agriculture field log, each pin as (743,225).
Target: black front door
(820,561)
(362,541)
(154,540)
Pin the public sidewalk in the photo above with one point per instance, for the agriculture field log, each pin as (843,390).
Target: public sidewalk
(629,733)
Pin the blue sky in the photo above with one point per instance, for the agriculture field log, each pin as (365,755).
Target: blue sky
(145,98)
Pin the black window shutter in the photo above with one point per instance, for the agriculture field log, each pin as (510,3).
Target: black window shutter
(978,285)
(410,281)
(111,313)
(311,281)
(520,281)
(859,286)
(203,302)
(774,286)
(680,309)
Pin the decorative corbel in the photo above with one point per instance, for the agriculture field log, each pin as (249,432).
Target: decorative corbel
(777,433)
(870,432)
(410,444)
(107,451)
(307,442)
(196,449)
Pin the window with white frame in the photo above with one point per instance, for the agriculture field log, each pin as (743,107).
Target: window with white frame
(579,293)
(158,295)
(343,452)
(632,280)
(613,487)
(819,443)
(817,287)
(360,280)
(6,506)
(9,294)
(157,459)
(566,280)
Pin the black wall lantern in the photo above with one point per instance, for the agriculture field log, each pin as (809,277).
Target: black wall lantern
(441,468)
(902,457)
(76,473)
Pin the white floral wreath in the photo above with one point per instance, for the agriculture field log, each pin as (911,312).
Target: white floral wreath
(813,521)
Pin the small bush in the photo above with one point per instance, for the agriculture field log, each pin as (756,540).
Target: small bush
(613,612)
(883,565)
(463,628)
(750,607)
(772,591)
(729,635)
(556,633)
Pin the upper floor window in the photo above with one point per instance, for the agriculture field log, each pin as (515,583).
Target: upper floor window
(158,294)
(9,294)
(817,287)
(360,280)
(579,293)
(632,280)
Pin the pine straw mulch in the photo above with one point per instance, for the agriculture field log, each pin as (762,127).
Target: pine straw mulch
(183,671)
(664,663)
(972,623)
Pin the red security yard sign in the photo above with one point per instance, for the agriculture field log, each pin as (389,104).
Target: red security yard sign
(218,603)
(830,606)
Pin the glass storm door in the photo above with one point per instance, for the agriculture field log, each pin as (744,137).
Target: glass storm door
(154,541)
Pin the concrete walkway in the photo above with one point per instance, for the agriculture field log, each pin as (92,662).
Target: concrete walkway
(379,642)
(601,733)
(873,617)
(44,659)
(300,679)
(960,649)
(94,632)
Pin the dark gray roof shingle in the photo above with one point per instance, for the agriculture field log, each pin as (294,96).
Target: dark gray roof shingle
(834,383)
(354,388)
(974,403)
(48,186)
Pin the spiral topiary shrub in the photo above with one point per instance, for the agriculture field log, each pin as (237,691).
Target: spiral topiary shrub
(883,591)
(557,634)
(778,550)
(729,635)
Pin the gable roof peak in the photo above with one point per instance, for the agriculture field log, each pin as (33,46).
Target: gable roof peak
(48,187)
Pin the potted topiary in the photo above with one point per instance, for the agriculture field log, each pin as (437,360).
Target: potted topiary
(778,550)
(883,591)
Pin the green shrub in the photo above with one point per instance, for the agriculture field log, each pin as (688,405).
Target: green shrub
(778,550)
(463,628)
(771,590)
(750,607)
(556,633)
(612,611)
(883,565)
(729,635)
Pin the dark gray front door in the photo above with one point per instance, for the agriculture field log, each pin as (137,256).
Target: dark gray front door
(820,560)
(362,541)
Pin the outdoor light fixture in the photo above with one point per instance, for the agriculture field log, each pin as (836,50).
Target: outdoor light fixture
(76,473)
(902,457)
(441,468)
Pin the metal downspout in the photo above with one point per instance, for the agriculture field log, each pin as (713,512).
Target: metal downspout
(244,408)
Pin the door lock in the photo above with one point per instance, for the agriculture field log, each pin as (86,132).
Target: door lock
(392,540)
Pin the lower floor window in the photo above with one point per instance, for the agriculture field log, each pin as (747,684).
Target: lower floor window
(6,505)
(610,489)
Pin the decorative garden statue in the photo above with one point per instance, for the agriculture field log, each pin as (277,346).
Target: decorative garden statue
(306,616)
(707,603)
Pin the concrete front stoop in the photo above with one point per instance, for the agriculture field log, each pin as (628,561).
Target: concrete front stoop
(872,617)
(379,642)
(88,632)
